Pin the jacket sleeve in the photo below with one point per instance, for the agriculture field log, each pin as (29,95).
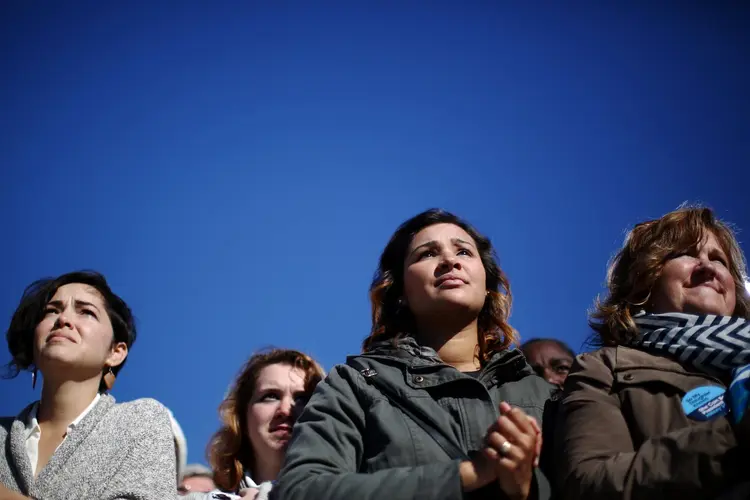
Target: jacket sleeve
(148,471)
(327,448)
(597,459)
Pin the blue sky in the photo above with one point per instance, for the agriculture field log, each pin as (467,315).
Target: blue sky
(235,169)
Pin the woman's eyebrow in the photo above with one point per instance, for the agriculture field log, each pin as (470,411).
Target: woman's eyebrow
(431,243)
(457,241)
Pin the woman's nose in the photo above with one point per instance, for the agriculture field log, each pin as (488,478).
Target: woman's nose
(705,265)
(448,261)
(286,405)
(63,320)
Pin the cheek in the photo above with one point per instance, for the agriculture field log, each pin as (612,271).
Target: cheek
(728,283)
(258,417)
(45,326)
(41,331)
(98,336)
(660,294)
(252,426)
(670,280)
(414,284)
(251,420)
(676,272)
(479,275)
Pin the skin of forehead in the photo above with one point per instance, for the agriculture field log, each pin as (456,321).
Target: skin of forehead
(540,350)
(79,287)
(416,241)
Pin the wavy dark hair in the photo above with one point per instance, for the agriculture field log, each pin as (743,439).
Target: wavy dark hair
(30,312)
(230,451)
(390,321)
(636,268)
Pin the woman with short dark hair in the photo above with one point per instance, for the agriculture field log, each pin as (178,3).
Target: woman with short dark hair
(438,405)
(76,442)
(649,415)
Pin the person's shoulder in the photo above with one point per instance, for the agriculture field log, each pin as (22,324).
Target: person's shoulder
(362,366)
(517,380)
(537,384)
(5,424)
(610,357)
(355,366)
(8,420)
(142,406)
(347,380)
(146,411)
(535,389)
(598,365)
(601,354)
(342,374)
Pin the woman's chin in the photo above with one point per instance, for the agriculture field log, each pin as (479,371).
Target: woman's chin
(279,444)
(458,304)
(707,308)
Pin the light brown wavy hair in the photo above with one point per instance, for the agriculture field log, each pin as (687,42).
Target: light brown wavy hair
(639,263)
(391,321)
(230,452)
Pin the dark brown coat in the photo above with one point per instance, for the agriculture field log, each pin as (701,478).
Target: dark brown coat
(622,433)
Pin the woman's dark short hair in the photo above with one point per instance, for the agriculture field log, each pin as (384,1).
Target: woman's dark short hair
(30,312)
(390,320)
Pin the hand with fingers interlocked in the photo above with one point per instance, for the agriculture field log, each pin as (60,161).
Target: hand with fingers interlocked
(514,443)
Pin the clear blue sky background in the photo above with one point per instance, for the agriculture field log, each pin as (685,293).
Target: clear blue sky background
(235,168)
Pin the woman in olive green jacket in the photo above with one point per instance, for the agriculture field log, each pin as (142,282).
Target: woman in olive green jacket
(437,406)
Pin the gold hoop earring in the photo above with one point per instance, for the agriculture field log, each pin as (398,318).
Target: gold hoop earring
(644,301)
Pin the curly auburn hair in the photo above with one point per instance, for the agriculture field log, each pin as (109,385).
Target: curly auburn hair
(390,321)
(639,263)
(230,451)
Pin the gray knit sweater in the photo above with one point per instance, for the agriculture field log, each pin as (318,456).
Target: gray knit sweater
(118,451)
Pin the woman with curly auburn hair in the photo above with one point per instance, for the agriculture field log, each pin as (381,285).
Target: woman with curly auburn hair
(659,411)
(438,405)
(258,415)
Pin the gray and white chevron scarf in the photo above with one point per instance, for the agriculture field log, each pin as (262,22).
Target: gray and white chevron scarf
(713,344)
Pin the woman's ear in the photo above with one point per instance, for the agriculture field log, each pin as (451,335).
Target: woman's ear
(117,354)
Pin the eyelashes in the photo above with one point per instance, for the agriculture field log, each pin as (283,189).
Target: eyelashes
(85,311)
(433,253)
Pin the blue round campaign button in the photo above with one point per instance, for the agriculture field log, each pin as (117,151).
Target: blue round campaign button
(705,402)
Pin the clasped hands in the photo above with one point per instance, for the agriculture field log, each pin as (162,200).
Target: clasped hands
(513,444)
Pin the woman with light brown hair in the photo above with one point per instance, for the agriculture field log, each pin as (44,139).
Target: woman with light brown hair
(658,412)
(439,405)
(258,415)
